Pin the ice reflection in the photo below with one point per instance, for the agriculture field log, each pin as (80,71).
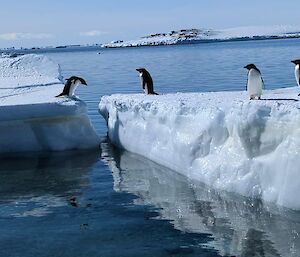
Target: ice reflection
(239,226)
(33,185)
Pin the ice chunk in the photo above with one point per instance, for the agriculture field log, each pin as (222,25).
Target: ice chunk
(221,138)
(31,117)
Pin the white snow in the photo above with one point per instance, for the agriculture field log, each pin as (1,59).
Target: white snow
(219,138)
(194,35)
(31,117)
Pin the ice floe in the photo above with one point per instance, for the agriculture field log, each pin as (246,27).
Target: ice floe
(219,138)
(31,117)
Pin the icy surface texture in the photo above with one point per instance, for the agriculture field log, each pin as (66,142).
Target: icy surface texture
(222,139)
(31,117)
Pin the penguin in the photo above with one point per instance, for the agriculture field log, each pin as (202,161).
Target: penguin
(255,82)
(73,201)
(297,71)
(147,82)
(71,85)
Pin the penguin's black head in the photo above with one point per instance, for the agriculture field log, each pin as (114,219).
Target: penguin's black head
(75,79)
(82,81)
(141,70)
(296,61)
(250,66)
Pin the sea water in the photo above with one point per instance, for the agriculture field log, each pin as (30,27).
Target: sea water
(113,203)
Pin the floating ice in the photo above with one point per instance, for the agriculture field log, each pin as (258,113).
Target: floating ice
(31,117)
(221,139)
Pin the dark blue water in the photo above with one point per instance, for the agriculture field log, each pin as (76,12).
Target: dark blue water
(113,203)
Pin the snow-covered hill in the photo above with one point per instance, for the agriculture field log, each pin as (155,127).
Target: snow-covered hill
(190,36)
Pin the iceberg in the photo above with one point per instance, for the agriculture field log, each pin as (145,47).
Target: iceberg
(219,138)
(31,117)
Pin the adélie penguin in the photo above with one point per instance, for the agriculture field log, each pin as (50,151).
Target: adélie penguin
(147,82)
(71,85)
(255,82)
(297,71)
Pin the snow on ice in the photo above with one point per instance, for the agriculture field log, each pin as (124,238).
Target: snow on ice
(31,117)
(219,138)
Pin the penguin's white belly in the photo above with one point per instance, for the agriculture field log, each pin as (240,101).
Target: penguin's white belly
(255,84)
(297,75)
(141,77)
(146,86)
(146,89)
(73,88)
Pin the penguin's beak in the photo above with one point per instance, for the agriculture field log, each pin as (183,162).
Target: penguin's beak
(245,67)
(293,62)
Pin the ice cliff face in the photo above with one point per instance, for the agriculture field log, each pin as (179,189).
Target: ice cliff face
(31,117)
(221,139)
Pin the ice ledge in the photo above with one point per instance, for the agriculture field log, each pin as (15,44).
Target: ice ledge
(31,117)
(221,139)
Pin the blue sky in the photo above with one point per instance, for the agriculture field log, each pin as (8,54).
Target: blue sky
(58,22)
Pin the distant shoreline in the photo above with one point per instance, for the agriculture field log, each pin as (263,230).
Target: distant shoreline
(204,41)
(199,36)
(99,47)
(36,50)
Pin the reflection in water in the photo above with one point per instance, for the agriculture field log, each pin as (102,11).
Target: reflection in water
(239,226)
(32,185)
